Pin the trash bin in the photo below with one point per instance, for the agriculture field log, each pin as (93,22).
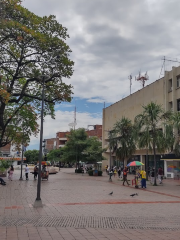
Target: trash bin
(95,173)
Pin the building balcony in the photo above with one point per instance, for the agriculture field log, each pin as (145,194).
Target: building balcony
(63,139)
(61,145)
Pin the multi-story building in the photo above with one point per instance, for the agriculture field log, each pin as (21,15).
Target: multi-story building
(6,150)
(61,137)
(50,144)
(164,91)
(10,152)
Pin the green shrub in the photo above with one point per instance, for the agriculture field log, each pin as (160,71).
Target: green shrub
(90,172)
(5,164)
(79,170)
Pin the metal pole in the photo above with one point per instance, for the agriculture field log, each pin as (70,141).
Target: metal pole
(110,179)
(21,178)
(38,202)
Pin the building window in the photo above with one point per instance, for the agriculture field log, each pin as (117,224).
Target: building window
(178,105)
(170,85)
(171,106)
(178,81)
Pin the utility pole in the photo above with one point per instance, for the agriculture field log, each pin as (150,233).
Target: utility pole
(130,79)
(38,202)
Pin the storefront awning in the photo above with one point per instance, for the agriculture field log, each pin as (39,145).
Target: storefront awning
(166,159)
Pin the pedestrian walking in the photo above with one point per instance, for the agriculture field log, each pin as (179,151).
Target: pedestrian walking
(125,171)
(10,172)
(35,172)
(26,172)
(143,180)
(119,172)
(106,167)
(152,176)
(160,175)
(115,171)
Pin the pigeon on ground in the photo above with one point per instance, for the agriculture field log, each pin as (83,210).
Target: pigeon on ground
(111,193)
(132,195)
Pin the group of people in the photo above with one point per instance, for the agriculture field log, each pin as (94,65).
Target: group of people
(11,171)
(159,174)
(114,170)
(10,175)
(122,172)
(139,174)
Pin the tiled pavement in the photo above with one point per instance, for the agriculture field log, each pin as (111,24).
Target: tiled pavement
(77,206)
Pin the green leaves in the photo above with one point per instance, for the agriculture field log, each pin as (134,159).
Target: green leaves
(28,52)
(81,148)
(122,138)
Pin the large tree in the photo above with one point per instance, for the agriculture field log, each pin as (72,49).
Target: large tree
(55,155)
(154,132)
(93,151)
(175,120)
(32,156)
(74,149)
(122,139)
(32,51)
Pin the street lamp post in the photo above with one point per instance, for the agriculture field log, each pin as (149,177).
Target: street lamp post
(110,138)
(110,173)
(21,178)
(22,156)
(38,201)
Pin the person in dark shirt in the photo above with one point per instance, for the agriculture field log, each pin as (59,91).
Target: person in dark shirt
(2,181)
(152,176)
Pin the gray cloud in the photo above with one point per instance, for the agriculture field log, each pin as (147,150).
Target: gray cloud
(112,39)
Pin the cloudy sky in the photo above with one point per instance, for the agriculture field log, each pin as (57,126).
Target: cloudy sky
(110,39)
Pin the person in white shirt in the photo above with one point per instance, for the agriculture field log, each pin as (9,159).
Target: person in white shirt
(26,172)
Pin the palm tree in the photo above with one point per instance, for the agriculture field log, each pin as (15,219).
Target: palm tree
(150,124)
(176,123)
(123,138)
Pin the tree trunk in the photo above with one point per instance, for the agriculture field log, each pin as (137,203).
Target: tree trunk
(147,165)
(154,150)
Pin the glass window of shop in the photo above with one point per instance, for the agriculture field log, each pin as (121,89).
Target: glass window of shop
(159,163)
(116,162)
(173,166)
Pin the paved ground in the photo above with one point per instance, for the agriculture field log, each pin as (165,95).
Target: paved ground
(77,206)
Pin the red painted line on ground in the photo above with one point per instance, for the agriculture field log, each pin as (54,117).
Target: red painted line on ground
(118,202)
(14,207)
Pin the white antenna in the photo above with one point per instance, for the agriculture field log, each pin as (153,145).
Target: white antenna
(74,123)
(130,78)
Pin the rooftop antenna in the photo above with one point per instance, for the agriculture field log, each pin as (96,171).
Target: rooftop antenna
(164,62)
(142,78)
(130,79)
(74,123)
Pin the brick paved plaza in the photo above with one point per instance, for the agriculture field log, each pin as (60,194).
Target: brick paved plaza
(77,206)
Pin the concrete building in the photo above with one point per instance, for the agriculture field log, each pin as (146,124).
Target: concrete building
(164,91)
(61,137)
(50,144)
(9,152)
